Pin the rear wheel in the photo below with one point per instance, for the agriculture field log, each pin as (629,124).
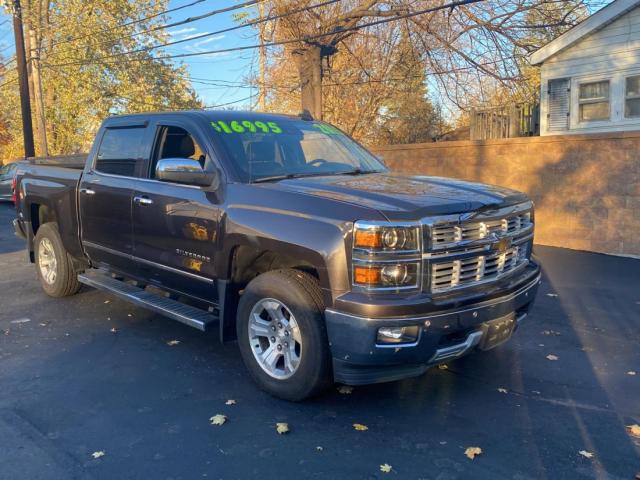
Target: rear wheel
(281,334)
(53,263)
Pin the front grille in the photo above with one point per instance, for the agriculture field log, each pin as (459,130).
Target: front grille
(492,244)
(448,234)
(446,275)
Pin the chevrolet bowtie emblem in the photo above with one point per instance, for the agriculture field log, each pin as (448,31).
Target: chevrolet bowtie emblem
(503,244)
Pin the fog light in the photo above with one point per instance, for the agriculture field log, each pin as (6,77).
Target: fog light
(396,335)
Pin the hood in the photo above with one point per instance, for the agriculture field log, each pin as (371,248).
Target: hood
(400,197)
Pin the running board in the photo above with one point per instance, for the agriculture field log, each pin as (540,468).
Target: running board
(194,317)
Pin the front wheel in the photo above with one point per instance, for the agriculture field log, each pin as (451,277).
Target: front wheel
(282,336)
(53,263)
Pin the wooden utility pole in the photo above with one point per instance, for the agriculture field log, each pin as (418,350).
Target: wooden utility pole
(41,124)
(23,81)
(309,62)
(262,99)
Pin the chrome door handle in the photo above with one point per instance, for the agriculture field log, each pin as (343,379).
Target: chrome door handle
(87,191)
(142,201)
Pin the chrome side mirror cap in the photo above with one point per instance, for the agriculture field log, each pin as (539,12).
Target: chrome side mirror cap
(183,170)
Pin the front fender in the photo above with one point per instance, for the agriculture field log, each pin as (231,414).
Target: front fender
(319,242)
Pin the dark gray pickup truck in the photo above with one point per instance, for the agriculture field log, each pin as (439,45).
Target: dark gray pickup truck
(287,235)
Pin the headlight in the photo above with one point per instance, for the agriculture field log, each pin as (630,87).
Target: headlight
(385,239)
(386,257)
(386,276)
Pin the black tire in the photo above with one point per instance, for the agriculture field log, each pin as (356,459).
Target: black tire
(301,294)
(66,279)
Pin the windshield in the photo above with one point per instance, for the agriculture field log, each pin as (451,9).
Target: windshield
(270,150)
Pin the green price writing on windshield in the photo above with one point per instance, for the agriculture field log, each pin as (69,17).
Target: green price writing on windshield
(241,126)
(327,129)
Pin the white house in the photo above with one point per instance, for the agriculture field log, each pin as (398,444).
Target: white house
(590,75)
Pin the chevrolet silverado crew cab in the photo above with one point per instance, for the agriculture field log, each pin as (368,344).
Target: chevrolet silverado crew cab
(289,237)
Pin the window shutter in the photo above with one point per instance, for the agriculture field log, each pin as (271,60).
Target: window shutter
(558,102)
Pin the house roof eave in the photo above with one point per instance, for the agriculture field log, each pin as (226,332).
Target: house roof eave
(598,20)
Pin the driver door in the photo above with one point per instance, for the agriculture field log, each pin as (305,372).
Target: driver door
(176,225)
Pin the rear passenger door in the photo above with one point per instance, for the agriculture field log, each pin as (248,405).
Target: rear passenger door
(105,195)
(175,225)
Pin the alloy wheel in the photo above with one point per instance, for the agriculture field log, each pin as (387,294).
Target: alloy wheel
(275,338)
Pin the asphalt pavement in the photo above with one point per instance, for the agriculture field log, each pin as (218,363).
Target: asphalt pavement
(90,374)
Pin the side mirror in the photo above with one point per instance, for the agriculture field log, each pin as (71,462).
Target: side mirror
(183,170)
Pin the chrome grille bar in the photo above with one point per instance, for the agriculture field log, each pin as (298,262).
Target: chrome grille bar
(447,235)
(447,275)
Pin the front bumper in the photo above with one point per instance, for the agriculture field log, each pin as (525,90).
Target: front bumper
(444,335)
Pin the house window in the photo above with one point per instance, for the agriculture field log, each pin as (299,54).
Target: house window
(632,97)
(594,101)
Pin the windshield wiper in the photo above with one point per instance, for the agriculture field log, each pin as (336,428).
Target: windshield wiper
(357,171)
(275,178)
(288,176)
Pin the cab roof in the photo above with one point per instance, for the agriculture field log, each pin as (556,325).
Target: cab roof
(208,115)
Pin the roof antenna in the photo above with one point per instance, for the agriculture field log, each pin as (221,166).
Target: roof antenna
(306,115)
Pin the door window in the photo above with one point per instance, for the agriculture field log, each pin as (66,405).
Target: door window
(176,142)
(121,151)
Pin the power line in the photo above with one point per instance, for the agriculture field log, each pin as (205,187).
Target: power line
(168,25)
(132,22)
(229,103)
(308,38)
(218,32)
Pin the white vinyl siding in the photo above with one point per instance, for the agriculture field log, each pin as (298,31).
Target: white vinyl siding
(610,54)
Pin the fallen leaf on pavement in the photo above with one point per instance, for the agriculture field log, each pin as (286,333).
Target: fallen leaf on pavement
(443,367)
(107,301)
(385,467)
(472,452)
(319,448)
(172,343)
(631,372)
(230,402)
(21,320)
(634,430)
(552,357)
(586,454)
(552,294)
(98,454)
(218,419)
(282,428)
(360,427)
(550,332)
(502,390)
(114,330)
(345,389)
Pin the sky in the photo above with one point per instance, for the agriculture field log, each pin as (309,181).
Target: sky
(233,67)
(221,69)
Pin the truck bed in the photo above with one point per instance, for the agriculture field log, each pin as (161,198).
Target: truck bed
(49,193)
(75,161)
